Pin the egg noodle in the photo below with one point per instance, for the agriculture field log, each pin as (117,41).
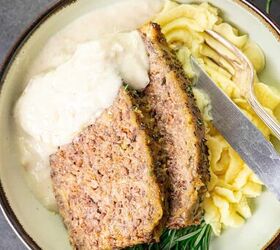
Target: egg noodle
(232,182)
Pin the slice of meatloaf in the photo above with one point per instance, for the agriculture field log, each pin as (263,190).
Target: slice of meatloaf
(105,185)
(180,132)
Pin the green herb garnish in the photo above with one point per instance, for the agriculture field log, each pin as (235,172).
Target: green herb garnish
(267,7)
(125,86)
(190,238)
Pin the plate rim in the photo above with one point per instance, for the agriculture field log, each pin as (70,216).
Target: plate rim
(50,10)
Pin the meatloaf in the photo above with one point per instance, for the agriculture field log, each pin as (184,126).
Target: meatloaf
(105,185)
(180,131)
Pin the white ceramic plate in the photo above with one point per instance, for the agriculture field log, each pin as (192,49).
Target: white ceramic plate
(39,228)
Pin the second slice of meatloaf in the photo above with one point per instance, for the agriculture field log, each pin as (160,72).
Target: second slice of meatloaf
(104,183)
(171,106)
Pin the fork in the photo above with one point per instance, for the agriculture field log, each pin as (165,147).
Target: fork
(245,72)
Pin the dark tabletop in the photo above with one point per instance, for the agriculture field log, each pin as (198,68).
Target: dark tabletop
(15,15)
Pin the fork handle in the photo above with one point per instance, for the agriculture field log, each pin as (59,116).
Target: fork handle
(269,121)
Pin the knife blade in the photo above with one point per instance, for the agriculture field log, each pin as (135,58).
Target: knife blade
(258,153)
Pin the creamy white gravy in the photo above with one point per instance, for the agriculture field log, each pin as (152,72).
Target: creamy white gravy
(77,76)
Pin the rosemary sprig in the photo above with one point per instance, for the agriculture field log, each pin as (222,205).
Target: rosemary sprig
(267,6)
(190,238)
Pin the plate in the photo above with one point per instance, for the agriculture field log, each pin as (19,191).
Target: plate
(40,229)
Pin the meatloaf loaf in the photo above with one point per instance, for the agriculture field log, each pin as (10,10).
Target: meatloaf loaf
(180,131)
(105,185)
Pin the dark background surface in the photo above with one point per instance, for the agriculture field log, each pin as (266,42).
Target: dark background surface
(15,16)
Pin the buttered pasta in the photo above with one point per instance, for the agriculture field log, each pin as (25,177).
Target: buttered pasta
(232,182)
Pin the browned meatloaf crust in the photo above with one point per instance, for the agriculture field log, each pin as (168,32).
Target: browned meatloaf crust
(104,183)
(171,104)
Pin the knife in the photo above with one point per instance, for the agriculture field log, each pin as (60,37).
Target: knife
(258,153)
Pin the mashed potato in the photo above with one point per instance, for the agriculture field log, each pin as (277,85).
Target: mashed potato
(232,182)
